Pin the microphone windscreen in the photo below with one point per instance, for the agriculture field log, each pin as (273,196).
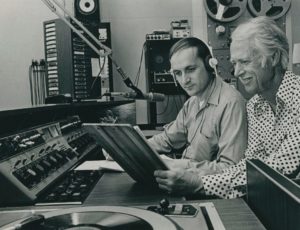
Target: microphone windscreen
(158,97)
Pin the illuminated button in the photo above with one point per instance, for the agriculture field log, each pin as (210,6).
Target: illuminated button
(31,172)
(39,167)
(46,163)
(53,159)
(29,143)
(76,194)
(22,146)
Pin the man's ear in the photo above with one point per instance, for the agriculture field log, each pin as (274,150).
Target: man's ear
(275,58)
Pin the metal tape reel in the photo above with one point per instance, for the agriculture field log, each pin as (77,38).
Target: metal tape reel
(225,10)
(87,6)
(271,8)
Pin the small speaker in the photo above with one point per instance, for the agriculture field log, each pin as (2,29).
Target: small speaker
(158,55)
(157,63)
(87,10)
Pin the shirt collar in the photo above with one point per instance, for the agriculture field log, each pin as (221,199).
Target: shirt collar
(283,96)
(210,95)
(215,91)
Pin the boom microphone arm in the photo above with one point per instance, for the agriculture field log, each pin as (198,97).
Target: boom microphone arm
(107,50)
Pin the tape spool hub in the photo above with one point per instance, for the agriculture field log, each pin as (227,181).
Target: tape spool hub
(273,9)
(225,10)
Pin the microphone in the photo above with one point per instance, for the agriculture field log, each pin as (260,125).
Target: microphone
(133,95)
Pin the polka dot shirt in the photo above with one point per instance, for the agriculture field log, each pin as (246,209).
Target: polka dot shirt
(273,137)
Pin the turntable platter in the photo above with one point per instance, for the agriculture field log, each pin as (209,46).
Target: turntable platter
(99,217)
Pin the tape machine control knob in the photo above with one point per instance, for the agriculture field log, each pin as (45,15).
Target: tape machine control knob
(164,205)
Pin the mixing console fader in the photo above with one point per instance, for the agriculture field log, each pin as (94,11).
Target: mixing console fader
(73,188)
(33,161)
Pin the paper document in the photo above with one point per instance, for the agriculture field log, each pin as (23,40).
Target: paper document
(101,164)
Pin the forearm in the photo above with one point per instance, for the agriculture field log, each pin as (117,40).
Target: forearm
(208,167)
(225,185)
(160,143)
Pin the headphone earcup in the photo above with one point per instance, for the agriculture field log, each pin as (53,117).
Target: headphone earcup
(208,65)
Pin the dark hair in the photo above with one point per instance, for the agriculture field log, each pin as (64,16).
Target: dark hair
(203,51)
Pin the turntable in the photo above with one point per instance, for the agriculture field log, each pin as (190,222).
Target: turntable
(117,218)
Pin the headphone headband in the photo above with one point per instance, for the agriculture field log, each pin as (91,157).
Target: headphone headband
(210,61)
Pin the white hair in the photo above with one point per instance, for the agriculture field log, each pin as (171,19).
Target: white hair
(266,38)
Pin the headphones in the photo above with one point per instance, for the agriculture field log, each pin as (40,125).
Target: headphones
(210,62)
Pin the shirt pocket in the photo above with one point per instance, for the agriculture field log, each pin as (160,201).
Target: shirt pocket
(207,128)
(203,147)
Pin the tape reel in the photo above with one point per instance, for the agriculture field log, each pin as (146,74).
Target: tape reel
(273,9)
(225,10)
(87,6)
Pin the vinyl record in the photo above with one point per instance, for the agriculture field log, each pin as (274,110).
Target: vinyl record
(100,217)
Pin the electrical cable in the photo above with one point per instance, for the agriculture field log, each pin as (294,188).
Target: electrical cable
(170,112)
(31,84)
(43,80)
(165,109)
(100,71)
(37,78)
(137,77)
(37,81)
(175,102)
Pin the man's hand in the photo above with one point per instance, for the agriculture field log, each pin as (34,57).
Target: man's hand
(110,117)
(174,163)
(178,181)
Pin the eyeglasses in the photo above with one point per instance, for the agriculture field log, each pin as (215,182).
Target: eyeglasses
(178,74)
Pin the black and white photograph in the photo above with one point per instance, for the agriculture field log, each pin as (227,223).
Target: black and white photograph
(150,115)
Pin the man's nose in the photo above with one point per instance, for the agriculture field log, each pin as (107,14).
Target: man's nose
(238,70)
(185,77)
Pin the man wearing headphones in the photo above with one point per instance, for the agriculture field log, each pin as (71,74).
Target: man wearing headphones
(211,126)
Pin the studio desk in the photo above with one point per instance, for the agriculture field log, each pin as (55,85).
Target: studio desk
(273,198)
(118,189)
(66,140)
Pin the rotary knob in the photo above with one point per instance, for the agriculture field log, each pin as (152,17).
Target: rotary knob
(164,206)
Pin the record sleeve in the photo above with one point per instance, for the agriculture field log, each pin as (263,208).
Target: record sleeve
(129,148)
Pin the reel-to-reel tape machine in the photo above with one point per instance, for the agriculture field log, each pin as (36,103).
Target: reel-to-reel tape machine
(229,10)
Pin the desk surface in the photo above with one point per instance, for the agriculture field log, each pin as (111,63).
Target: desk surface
(119,189)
